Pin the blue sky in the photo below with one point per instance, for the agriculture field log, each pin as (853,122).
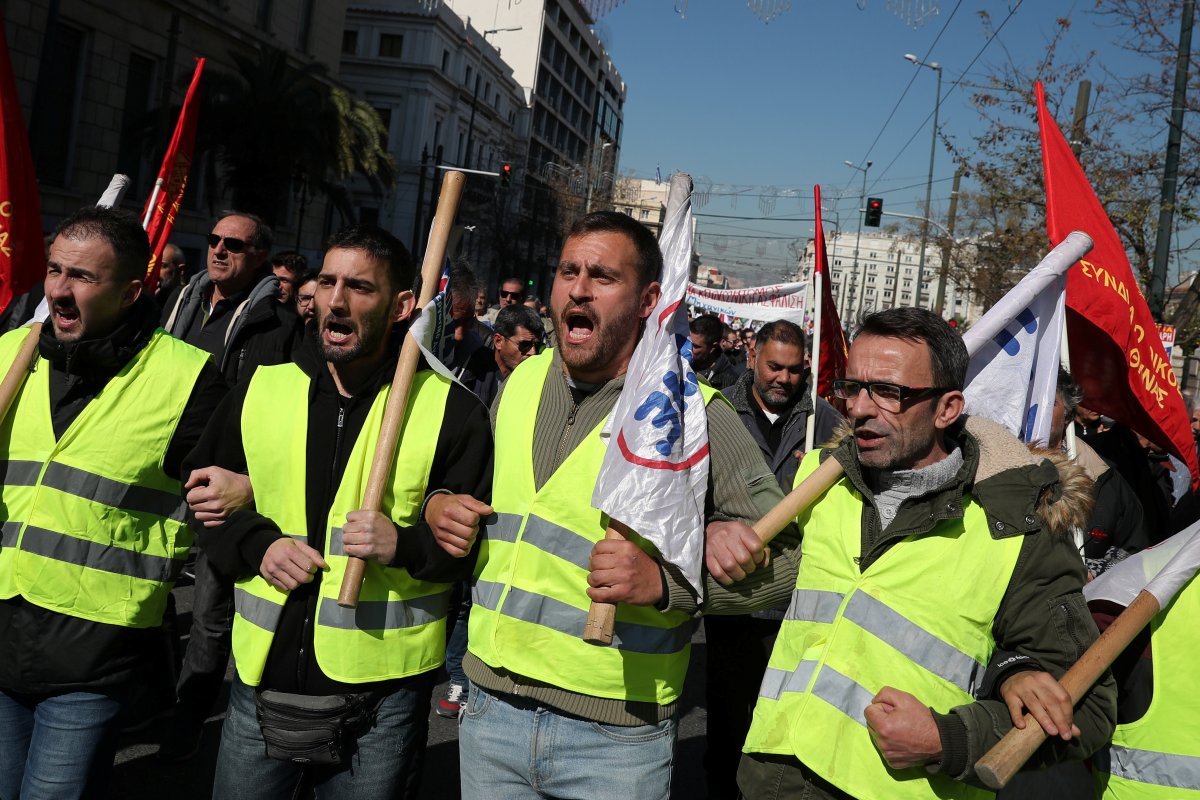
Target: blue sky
(720,95)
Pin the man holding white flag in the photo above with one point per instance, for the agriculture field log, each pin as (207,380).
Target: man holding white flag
(546,709)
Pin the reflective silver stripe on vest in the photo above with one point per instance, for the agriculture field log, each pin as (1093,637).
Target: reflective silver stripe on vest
(558,541)
(501,527)
(487,594)
(920,646)
(335,546)
(814,605)
(108,492)
(843,694)
(8,533)
(831,686)
(94,555)
(566,618)
(777,681)
(20,473)
(1149,766)
(257,610)
(384,615)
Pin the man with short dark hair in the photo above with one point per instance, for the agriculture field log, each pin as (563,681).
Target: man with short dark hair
(711,363)
(93,530)
(306,292)
(548,714)
(518,335)
(296,650)
(288,266)
(941,543)
(230,311)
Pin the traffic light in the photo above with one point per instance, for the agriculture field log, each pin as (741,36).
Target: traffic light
(505,175)
(874,212)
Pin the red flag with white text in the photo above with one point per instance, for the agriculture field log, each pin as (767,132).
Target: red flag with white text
(831,363)
(1116,354)
(163,205)
(22,250)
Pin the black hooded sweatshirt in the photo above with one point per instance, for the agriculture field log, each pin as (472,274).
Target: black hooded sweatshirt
(462,464)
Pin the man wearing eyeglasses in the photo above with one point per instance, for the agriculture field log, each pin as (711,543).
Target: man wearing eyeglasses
(511,293)
(232,311)
(944,541)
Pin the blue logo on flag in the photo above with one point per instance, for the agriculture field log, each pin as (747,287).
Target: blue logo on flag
(667,408)
(1008,342)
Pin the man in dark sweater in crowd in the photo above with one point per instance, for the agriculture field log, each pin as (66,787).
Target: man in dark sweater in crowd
(711,363)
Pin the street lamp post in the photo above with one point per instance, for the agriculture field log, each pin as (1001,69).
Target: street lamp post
(862,202)
(937,102)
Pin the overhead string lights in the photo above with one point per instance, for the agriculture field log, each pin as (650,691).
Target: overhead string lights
(768,10)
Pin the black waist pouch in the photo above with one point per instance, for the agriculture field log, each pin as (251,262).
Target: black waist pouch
(320,730)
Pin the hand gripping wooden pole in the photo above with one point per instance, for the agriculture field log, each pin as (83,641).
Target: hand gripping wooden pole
(19,369)
(406,368)
(599,626)
(999,764)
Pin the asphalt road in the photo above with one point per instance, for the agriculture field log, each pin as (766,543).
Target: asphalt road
(138,775)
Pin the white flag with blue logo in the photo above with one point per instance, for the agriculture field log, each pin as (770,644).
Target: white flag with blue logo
(655,471)
(1015,347)
(431,328)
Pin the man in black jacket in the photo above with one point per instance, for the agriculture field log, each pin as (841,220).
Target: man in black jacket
(84,510)
(708,359)
(288,553)
(231,311)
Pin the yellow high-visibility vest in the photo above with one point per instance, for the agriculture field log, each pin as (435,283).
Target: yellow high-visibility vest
(918,619)
(1157,757)
(92,526)
(529,598)
(399,626)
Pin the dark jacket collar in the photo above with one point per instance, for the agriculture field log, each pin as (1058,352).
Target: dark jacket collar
(105,356)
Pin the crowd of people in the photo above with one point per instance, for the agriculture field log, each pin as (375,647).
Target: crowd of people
(890,635)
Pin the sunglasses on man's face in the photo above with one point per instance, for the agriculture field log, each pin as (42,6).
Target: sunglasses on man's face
(525,345)
(232,244)
(511,295)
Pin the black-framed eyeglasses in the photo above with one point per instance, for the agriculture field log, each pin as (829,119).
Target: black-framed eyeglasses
(888,396)
(232,243)
(512,295)
(525,345)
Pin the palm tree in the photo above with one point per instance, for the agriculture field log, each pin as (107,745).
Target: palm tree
(273,127)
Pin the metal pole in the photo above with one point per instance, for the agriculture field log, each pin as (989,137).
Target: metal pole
(862,203)
(944,270)
(937,102)
(1162,241)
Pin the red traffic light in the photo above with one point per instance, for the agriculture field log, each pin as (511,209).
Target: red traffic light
(953,323)
(505,175)
(874,214)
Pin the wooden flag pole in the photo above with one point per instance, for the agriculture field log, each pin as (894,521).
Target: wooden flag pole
(599,626)
(19,369)
(1002,762)
(406,368)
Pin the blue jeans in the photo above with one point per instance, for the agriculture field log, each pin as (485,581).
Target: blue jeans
(56,747)
(376,770)
(456,641)
(512,749)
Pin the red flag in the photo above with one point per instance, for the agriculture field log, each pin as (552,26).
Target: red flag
(22,251)
(831,363)
(158,217)
(1116,354)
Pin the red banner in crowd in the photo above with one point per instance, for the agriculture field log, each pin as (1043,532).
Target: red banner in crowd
(831,363)
(159,215)
(1116,354)
(22,251)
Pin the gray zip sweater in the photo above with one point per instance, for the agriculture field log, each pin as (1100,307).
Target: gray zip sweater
(740,487)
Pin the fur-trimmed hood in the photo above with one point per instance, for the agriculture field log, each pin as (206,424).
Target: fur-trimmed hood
(1022,488)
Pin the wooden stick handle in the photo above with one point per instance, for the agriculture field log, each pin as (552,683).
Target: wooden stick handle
(601,616)
(599,626)
(800,498)
(406,368)
(999,764)
(15,377)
